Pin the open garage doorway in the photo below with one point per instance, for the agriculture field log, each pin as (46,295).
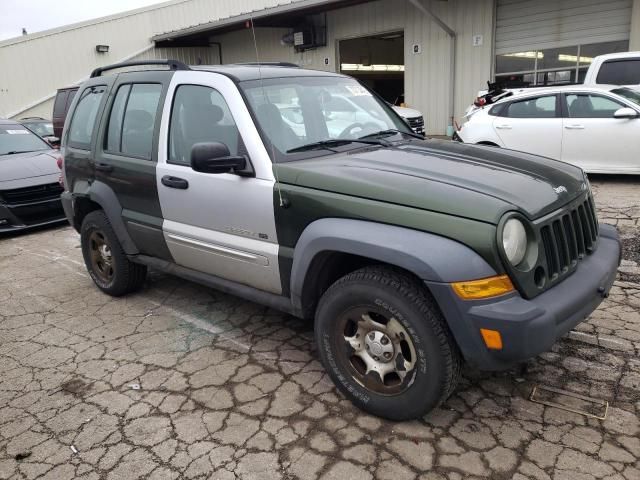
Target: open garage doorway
(377,61)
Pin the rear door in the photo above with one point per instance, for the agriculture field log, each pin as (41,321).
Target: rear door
(532,125)
(127,152)
(220,224)
(596,141)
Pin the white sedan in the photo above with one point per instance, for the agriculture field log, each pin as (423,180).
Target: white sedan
(597,129)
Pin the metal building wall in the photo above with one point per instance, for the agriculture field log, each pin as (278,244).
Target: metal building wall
(34,66)
(427,80)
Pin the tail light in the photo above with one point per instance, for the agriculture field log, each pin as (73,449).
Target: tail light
(60,163)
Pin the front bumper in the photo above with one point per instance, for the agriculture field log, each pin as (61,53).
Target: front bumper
(30,215)
(530,327)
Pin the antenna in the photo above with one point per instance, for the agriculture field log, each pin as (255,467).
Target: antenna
(266,99)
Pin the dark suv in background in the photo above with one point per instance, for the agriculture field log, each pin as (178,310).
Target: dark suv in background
(61,105)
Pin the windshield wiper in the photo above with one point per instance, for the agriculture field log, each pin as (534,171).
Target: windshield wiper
(392,131)
(336,142)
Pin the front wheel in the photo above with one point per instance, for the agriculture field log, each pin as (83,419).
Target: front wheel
(384,343)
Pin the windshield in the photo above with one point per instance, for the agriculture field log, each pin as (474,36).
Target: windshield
(43,129)
(18,139)
(631,95)
(296,111)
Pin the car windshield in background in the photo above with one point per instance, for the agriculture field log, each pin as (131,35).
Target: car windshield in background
(18,139)
(631,95)
(43,129)
(294,112)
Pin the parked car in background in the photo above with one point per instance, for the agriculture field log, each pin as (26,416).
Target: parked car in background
(29,173)
(597,129)
(61,104)
(413,118)
(43,128)
(614,69)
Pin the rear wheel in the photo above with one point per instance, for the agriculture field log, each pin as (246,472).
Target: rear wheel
(106,262)
(384,343)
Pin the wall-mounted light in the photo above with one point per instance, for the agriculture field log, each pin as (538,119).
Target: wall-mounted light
(102,48)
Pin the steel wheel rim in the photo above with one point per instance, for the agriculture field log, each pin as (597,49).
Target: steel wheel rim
(377,350)
(101,257)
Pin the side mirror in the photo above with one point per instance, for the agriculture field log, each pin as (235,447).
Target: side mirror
(625,112)
(214,157)
(53,141)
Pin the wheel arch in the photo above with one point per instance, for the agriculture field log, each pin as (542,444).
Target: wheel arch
(100,196)
(329,247)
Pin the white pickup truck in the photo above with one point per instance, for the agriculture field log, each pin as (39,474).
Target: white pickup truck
(611,69)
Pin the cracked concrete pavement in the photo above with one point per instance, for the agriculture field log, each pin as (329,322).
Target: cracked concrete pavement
(180,381)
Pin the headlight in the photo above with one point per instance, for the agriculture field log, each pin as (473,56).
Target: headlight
(514,241)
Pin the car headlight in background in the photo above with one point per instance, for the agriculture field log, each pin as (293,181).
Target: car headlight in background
(514,241)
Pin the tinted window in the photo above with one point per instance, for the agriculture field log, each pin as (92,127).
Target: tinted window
(132,119)
(629,94)
(620,72)
(17,139)
(591,106)
(114,131)
(84,117)
(539,107)
(59,104)
(199,114)
(42,129)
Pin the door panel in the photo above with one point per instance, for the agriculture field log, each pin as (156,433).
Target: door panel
(220,224)
(531,125)
(597,142)
(127,155)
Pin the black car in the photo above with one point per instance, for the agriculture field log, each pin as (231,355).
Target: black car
(29,179)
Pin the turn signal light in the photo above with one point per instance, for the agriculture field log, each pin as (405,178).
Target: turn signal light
(483,288)
(492,339)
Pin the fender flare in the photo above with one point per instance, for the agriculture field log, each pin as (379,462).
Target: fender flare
(430,257)
(104,196)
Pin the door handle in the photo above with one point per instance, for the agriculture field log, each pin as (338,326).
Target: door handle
(104,167)
(574,127)
(504,127)
(175,182)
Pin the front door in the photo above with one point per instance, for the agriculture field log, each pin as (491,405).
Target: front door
(531,125)
(596,141)
(220,224)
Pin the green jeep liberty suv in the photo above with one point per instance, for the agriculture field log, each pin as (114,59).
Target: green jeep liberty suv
(304,191)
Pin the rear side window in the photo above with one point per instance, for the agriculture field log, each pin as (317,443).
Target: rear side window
(538,107)
(132,120)
(60,103)
(84,117)
(620,72)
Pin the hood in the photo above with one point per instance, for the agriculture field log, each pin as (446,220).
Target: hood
(470,181)
(405,112)
(27,165)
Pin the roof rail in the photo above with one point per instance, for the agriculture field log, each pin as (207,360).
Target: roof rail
(270,64)
(172,64)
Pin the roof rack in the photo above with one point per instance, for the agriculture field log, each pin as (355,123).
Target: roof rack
(270,64)
(172,64)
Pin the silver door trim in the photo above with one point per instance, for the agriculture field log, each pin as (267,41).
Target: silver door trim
(220,250)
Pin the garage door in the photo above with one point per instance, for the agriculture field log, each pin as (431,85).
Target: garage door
(526,25)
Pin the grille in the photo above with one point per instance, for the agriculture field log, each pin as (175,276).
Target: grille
(570,236)
(20,196)
(416,124)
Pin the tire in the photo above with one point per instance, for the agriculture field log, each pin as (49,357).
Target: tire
(106,262)
(423,362)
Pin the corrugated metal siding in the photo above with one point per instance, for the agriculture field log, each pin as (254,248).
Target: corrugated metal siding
(532,24)
(427,80)
(35,66)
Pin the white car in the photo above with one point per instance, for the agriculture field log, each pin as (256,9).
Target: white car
(597,129)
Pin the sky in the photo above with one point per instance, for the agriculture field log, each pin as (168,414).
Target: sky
(38,15)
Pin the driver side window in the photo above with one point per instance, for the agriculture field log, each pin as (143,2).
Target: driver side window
(591,106)
(200,114)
